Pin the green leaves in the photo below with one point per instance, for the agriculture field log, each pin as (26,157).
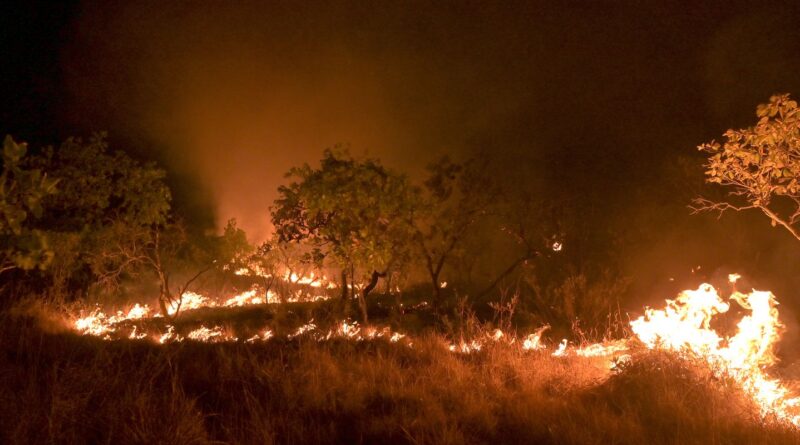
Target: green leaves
(22,191)
(762,162)
(355,211)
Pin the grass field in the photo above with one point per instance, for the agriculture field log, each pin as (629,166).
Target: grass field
(58,387)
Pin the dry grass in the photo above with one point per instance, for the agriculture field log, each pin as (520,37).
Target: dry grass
(61,388)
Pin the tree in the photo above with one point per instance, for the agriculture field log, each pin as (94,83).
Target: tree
(529,217)
(759,166)
(166,250)
(22,193)
(100,191)
(455,196)
(354,212)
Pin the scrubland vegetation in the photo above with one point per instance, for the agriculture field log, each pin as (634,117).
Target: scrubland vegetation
(62,388)
(473,247)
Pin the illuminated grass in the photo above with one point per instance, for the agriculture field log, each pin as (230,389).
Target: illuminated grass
(63,388)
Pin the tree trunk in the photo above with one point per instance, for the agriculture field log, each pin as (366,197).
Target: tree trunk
(165,297)
(437,289)
(345,297)
(373,282)
(344,284)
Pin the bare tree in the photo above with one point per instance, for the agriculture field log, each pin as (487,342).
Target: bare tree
(127,250)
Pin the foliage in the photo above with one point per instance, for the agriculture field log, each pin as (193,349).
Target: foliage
(356,212)
(98,186)
(759,166)
(100,192)
(23,191)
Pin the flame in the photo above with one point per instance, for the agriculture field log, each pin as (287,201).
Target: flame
(533,342)
(602,349)
(248,297)
(169,336)
(265,335)
(210,335)
(561,350)
(99,324)
(188,301)
(684,327)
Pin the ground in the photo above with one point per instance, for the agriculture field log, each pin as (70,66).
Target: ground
(60,387)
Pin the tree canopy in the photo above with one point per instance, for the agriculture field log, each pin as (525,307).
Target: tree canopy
(759,166)
(355,212)
(23,191)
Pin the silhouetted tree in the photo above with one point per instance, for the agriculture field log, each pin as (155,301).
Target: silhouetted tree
(455,196)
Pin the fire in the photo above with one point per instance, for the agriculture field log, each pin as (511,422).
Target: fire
(210,335)
(189,300)
(99,324)
(245,298)
(562,349)
(684,326)
(533,342)
(265,335)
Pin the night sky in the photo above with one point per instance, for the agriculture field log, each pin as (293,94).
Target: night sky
(603,100)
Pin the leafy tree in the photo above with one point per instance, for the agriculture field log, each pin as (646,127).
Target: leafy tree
(99,191)
(99,185)
(759,166)
(22,193)
(354,212)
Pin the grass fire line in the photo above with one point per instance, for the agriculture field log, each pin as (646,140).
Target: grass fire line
(683,326)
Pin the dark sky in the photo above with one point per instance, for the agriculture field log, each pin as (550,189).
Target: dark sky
(594,96)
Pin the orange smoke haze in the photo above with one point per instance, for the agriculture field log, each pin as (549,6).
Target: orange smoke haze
(235,97)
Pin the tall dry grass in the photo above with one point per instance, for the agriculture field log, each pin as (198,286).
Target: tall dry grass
(56,387)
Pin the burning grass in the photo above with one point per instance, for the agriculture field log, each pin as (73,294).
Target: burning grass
(257,372)
(59,387)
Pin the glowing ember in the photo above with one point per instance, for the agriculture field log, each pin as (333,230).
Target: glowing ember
(212,335)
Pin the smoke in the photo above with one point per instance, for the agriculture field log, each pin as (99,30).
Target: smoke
(596,101)
(230,98)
